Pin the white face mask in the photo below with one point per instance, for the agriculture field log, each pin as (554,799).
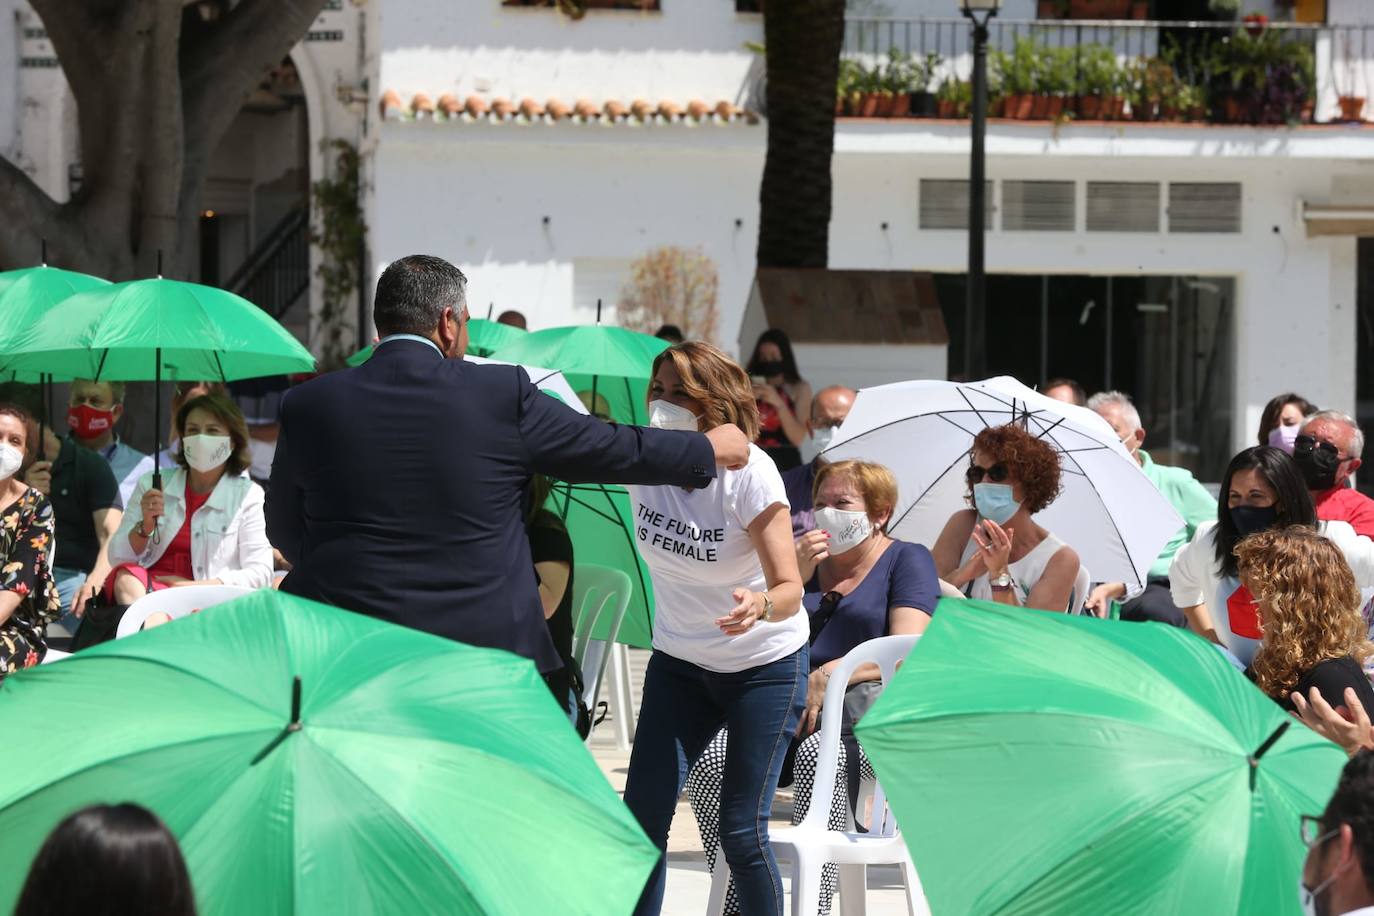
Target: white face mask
(663,415)
(1307,897)
(817,442)
(263,453)
(205,453)
(10,460)
(847,529)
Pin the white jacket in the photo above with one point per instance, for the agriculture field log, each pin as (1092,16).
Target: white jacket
(228,534)
(1194,577)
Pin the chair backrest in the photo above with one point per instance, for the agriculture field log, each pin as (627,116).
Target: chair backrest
(949,591)
(597,591)
(54,655)
(1082,586)
(175,602)
(886,652)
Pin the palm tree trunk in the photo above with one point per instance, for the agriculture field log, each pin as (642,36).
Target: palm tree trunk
(802,40)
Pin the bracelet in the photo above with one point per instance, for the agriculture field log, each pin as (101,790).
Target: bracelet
(138,530)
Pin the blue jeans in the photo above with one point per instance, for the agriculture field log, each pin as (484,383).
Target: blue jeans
(68,581)
(684,706)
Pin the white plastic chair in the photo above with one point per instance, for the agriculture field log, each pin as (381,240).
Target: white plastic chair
(1082,587)
(175,602)
(812,843)
(54,655)
(599,591)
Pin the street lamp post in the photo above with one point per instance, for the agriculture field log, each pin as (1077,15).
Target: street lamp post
(975,306)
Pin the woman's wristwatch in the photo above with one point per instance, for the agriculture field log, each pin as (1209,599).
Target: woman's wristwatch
(141,531)
(767,616)
(1001,583)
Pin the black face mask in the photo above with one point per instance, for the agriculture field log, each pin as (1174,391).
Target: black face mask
(769,369)
(1250,519)
(1318,467)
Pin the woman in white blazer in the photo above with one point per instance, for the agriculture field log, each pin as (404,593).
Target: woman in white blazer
(206,526)
(1262,489)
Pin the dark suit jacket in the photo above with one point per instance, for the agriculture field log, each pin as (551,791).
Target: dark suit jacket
(398,488)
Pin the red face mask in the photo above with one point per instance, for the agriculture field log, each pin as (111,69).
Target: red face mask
(88,422)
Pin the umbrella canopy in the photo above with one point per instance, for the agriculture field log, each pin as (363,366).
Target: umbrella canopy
(1098,767)
(146,329)
(484,338)
(600,522)
(404,774)
(608,366)
(1109,511)
(26,295)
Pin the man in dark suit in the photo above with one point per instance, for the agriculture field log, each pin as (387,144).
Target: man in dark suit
(397,487)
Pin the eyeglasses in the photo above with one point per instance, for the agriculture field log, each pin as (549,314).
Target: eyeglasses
(1310,827)
(1309,443)
(997,473)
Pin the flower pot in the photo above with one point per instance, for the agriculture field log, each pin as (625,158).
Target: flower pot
(922,104)
(1255,24)
(839,105)
(997,108)
(1233,109)
(1352,107)
(1099,9)
(1196,113)
(1089,107)
(1307,113)
(944,108)
(1020,106)
(1054,107)
(899,106)
(1114,108)
(1047,9)
(1168,112)
(868,105)
(1040,107)
(1140,9)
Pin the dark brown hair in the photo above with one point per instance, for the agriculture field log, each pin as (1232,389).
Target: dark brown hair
(715,381)
(1029,460)
(228,413)
(1269,419)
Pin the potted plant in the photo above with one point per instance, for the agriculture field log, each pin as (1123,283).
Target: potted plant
(1224,9)
(1140,9)
(1351,105)
(870,87)
(1058,75)
(946,98)
(1019,73)
(923,74)
(851,72)
(1098,82)
(1255,23)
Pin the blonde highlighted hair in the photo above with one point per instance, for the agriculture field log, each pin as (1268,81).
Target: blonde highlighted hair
(875,483)
(1310,605)
(716,382)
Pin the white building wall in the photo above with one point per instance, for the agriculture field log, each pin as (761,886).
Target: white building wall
(9,77)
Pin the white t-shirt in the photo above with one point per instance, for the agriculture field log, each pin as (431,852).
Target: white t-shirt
(696,544)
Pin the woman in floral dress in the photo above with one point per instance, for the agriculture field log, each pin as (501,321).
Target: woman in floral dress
(28,595)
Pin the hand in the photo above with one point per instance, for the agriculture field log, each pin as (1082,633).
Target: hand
(973,568)
(1100,599)
(152,506)
(83,596)
(768,395)
(1346,725)
(731,446)
(812,547)
(742,617)
(994,544)
(815,698)
(39,476)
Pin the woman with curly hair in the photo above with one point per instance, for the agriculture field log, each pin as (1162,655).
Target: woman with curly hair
(995,551)
(1309,614)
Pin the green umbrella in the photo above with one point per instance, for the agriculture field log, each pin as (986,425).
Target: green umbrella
(1040,763)
(313,761)
(28,294)
(610,366)
(600,522)
(484,338)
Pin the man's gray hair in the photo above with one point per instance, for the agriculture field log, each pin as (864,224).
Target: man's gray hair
(1116,399)
(1356,434)
(413,292)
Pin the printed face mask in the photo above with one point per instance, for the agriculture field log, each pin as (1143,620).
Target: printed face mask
(205,453)
(664,415)
(10,460)
(89,422)
(994,502)
(847,529)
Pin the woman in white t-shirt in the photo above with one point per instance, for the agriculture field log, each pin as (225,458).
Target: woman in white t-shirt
(729,646)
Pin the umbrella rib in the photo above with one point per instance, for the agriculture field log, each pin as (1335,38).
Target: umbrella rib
(164,663)
(932,486)
(960,389)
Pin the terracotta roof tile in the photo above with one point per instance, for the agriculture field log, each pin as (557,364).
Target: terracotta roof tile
(475,108)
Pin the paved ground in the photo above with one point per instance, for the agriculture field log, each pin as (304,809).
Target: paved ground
(689,883)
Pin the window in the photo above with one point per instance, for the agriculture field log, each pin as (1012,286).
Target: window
(1166,341)
(1123,206)
(576,9)
(1204,207)
(944,204)
(1038,206)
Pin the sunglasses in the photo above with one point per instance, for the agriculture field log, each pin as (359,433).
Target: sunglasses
(1309,443)
(997,473)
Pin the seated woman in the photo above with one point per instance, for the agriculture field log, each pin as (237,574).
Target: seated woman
(552,552)
(1262,489)
(995,551)
(206,526)
(28,596)
(861,584)
(1312,632)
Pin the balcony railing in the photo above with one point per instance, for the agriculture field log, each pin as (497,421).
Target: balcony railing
(1231,73)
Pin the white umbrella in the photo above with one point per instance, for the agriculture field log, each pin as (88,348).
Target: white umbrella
(1109,511)
(550,381)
